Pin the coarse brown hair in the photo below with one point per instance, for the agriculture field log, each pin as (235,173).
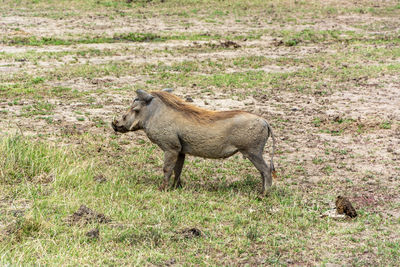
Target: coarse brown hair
(196,113)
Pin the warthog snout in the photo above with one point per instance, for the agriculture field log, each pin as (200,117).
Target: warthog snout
(113,125)
(117,128)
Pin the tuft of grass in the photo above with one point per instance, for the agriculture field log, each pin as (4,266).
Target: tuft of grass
(123,37)
(38,108)
(386,125)
(26,160)
(308,35)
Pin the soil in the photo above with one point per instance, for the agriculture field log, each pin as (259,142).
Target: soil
(94,233)
(85,215)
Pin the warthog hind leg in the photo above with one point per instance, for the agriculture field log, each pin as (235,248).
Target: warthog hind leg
(258,161)
(178,170)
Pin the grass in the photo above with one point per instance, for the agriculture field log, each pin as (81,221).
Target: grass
(118,38)
(309,36)
(146,224)
(40,41)
(343,67)
(316,71)
(39,108)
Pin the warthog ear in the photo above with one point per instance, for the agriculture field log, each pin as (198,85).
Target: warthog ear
(168,90)
(144,96)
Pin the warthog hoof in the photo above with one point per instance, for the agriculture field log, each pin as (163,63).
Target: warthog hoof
(162,187)
(178,185)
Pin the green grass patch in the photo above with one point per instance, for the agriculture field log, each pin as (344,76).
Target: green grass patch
(40,41)
(147,225)
(46,178)
(123,37)
(26,161)
(38,108)
(306,36)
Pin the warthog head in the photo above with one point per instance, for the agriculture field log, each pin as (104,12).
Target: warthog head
(136,115)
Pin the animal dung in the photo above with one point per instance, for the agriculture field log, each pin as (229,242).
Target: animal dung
(343,206)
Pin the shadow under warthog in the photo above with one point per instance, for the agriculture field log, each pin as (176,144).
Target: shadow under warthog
(243,186)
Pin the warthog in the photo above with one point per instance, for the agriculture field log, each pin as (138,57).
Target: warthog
(179,128)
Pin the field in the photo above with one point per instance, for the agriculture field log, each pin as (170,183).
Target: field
(325,74)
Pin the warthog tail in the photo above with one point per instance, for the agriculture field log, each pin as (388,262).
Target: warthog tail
(272,167)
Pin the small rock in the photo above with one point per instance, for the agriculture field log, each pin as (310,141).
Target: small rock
(248,102)
(336,118)
(333,214)
(188,99)
(389,149)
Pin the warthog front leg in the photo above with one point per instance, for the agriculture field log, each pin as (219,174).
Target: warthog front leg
(178,171)
(170,159)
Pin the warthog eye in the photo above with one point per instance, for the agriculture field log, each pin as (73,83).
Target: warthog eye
(124,117)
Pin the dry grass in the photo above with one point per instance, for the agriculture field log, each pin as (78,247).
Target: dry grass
(324,73)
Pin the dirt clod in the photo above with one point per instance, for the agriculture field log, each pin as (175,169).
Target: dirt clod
(228,44)
(278,42)
(94,233)
(191,232)
(18,213)
(99,81)
(343,206)
(170,262)
(85,215)
(71,130)
(10,229)
(100,178)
